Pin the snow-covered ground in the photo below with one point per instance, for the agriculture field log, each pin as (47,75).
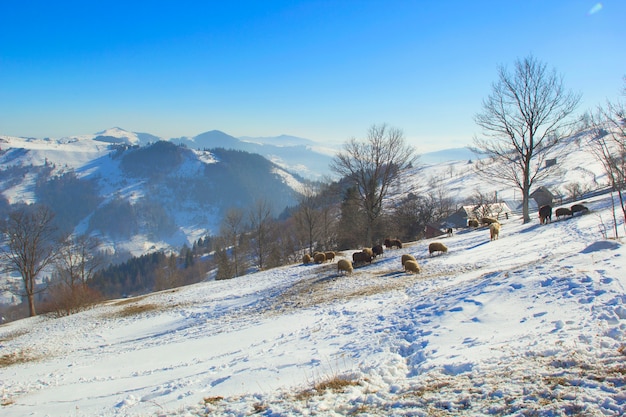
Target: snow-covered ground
(531,324)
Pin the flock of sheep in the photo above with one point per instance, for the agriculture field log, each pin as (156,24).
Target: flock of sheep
(545,212)
(409,263)
(367,255)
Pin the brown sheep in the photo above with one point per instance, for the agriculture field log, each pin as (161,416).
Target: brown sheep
(545,214)
(378,250)
(361,257)
(412,266)
(319,258)
(407,257)
(579,208)
(437,247)
(306,259)
(344,265)
(390,243)
(494,230)
(473,223)
(562,212)
(330,256)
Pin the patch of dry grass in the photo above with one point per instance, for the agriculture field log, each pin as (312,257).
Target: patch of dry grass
(14,358)
(12,335)
(335,383)
(134,310)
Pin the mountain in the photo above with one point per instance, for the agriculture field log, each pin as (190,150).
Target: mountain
(135,196)
(121,136)
(303,156)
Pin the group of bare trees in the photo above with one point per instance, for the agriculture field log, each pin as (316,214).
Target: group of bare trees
(32,245)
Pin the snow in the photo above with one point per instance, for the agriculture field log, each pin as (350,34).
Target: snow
(530,324)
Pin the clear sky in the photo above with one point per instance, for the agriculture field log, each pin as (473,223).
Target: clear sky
(323,70)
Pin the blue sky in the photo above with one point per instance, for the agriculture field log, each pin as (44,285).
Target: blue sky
(323,70)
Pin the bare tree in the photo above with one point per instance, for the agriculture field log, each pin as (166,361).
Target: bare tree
(525,117)
(373,165)
(31,246)
(78,259)
(231,229)
(309,217)
(260,222)
(609,147)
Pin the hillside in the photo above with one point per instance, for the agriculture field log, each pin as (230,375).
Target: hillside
(530,324)
(138,195)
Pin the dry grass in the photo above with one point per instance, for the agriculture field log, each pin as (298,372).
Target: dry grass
(14,358)
(134,310)
(336,383)
(12,335)
(213,400)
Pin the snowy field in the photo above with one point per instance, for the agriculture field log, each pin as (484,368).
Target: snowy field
(532,324)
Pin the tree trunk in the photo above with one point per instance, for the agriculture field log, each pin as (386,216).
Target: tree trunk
(31,304)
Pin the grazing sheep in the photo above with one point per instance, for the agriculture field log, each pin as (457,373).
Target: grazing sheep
(361,257)
(319,258)
(579,208)
(488,220)
(330,255)
(407,257)
(369,251)
(412,266)
(344,265)
(378,250)
(494,230)
(437,247)
(306,259)
(449,231)
(545,214)
(473,223)
(390,243)
(562,212)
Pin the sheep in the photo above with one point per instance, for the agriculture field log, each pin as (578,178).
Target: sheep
(378,250)
(361,257)
(319,258)
(344,265)
(472,223)
(579,208)
(562,212)
(369,251)
(488,220)
(330,255)
(406,257)
(494,230)
(412,266)
(306,259)
(449,231)
(390,243)
(437,247)
(545,214)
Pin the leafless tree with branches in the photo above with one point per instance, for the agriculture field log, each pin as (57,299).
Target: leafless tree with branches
(373,165)
(32,245)
(525,116)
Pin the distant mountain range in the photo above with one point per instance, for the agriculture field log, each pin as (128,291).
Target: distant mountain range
(138,192)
